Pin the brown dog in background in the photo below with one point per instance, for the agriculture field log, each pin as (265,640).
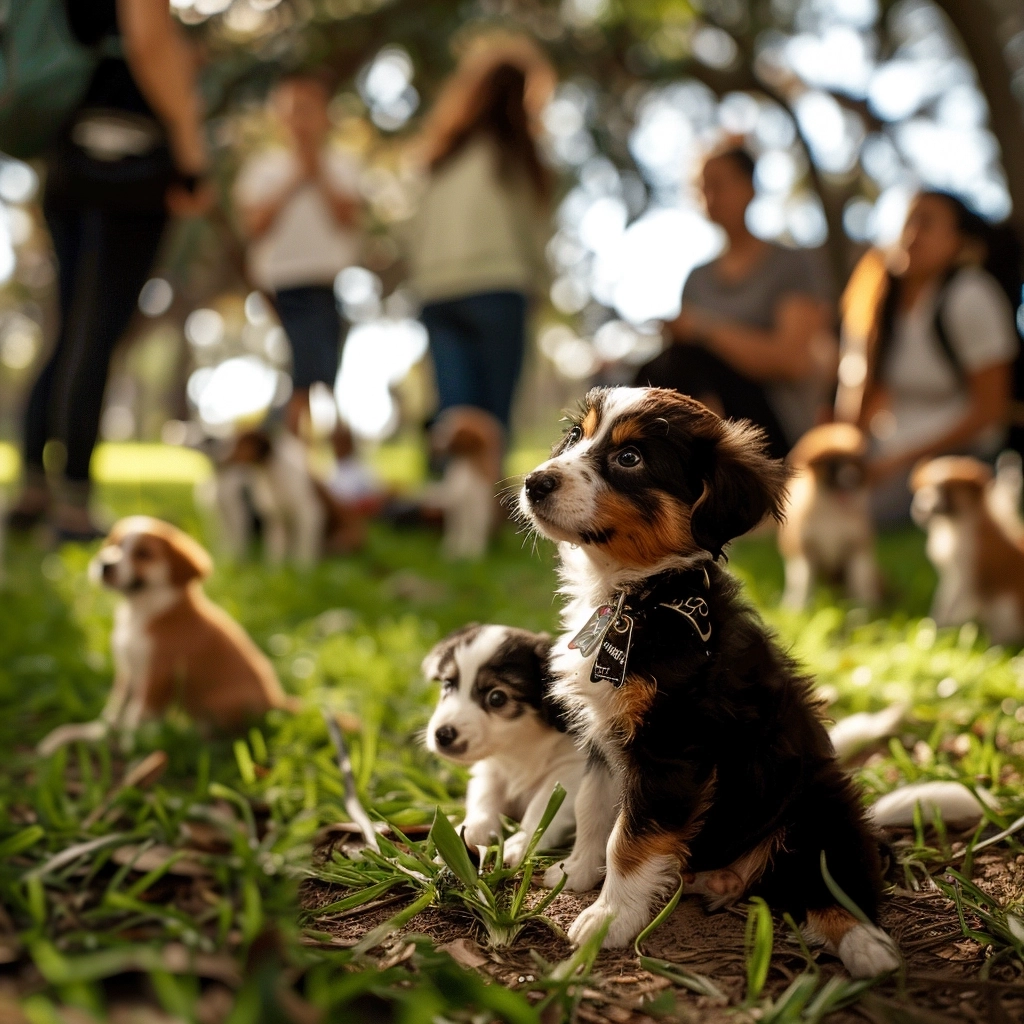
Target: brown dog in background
(827,532)
(171,644)
(979,562)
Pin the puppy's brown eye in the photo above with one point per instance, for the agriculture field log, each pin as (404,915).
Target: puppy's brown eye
(497,699)
(574,435)
(629,458)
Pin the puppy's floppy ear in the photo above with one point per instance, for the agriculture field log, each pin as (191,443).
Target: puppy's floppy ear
(432,663)
(742,486)
(189,560)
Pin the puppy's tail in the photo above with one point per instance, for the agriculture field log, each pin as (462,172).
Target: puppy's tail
(866,950)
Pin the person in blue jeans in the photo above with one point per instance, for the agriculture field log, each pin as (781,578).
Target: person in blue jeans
(477,253)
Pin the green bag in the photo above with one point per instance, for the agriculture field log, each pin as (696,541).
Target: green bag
(44,73)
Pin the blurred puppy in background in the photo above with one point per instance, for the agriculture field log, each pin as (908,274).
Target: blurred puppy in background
(979,562)
(495,713)
(171,644)
(827,532)
(471,442)
(269,479)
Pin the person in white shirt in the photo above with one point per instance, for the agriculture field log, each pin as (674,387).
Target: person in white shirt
(300,209)
(941,352)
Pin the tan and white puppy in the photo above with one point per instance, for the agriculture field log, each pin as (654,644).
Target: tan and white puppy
(495,713)
(171,644)
(827,532)
(980,566)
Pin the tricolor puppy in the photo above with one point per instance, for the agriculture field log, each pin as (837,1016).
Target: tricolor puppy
(495,713)
(827,532)
(706,755)
(171,644)
(979,562)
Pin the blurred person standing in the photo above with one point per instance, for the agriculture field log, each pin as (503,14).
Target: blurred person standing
(299,207)
(752,339)
(477,245)
(132,151)
(940,341)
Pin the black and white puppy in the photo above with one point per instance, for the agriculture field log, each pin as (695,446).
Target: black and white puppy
(495,713)
(706,754)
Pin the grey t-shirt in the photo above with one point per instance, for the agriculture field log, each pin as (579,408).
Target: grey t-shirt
(753,301)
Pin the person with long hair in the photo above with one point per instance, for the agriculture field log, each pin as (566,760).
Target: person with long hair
(939,347)
(133,152)
(753,337)
(477,245)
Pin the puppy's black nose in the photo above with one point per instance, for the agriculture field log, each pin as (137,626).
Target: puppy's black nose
(108,571)
(445,735)
(540,484)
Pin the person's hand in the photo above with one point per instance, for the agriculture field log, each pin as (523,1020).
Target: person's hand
(195,203)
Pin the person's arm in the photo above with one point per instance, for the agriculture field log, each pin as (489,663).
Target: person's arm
(989,392)
(786,351)
(258,217)
(163,68)
(341,198)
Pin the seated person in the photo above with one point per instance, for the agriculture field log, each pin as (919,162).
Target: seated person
(940,350)
(752,339)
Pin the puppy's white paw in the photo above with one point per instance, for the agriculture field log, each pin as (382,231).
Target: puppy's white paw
(866,952)
(589,923)
(479,831)
(582,877)
(515,848)
(620,932)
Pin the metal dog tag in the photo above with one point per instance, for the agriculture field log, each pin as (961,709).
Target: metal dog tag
(613,657)
(589,638)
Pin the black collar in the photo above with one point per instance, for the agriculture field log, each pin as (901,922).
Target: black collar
(616,627)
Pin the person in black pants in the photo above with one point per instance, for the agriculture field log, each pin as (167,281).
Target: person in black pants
(133,151)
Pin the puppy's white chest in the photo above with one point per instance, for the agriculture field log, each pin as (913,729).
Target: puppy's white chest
(130,644)
(835,528)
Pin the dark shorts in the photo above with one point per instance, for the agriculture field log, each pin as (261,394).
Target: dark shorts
(310,318)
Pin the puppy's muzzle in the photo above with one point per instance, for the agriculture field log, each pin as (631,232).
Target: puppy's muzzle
(540,485)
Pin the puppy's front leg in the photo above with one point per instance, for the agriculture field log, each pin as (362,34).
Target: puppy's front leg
(799,577)
(560,827)
(862,578)
(641,870)
(597,804)
(485,802)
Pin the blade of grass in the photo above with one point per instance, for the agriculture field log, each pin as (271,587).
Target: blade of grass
(453,850)
(841,898)
(355,809)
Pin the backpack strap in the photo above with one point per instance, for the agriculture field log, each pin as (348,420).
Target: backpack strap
(939,326)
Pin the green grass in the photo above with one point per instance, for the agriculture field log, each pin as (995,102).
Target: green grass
(349,636)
